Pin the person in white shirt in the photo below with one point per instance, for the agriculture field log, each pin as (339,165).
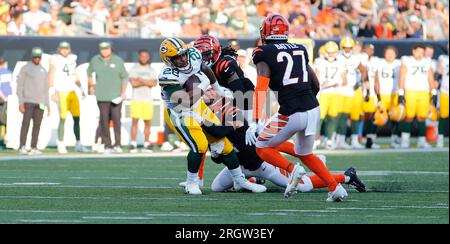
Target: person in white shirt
(64,86)
(16,26)
(142,79)
(415,87)
(244,63)
(442,71)
(35,17)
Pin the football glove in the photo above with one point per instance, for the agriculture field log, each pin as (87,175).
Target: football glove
(250,134)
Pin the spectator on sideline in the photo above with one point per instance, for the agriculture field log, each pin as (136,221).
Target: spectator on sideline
(5,90)
(109,88)
(33,93)
(142,79)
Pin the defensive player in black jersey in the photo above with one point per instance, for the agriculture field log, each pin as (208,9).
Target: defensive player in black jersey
(284,67)
(222,61)
(234,127)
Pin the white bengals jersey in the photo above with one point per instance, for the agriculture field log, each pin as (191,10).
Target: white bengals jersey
(65,74)
(329,73)
(350,65)
(388,76)
(417,73)
(372,68)
(443,60)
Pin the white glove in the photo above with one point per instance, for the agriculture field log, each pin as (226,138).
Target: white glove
(250,134)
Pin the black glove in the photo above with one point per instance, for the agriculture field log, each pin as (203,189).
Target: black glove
(401,100)
(434,100)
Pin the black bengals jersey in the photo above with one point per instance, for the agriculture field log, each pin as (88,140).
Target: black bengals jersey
(288,75)
(225,68)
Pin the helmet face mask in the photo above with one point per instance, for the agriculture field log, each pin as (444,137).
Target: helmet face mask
(174,53)
(210,48)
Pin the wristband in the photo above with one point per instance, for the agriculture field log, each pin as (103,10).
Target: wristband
(401,92)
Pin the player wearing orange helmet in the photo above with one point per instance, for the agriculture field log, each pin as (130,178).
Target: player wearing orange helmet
(284,67)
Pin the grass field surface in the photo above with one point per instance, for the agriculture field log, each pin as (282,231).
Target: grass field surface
(404,187)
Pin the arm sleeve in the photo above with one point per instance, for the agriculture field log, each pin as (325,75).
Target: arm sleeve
(259,98)
(218,131)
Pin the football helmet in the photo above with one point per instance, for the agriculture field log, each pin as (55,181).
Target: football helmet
(434,115)
(322,51)
(274,27)
(381,117)
(174,48)
(397,113)
(346,43)
(331,50)
(210,48)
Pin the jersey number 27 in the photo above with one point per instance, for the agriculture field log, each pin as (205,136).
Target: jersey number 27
(285,56)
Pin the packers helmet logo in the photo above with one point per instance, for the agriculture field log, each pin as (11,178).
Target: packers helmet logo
(163,49)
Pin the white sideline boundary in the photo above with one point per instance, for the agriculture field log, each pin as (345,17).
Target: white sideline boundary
(184,154)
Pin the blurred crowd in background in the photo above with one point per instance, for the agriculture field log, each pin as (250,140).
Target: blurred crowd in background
(320,19)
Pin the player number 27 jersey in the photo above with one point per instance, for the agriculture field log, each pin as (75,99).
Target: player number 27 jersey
(288,75)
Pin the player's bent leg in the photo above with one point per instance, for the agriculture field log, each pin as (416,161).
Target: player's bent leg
(222,182)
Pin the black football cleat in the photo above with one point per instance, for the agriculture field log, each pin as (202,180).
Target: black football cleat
(355,182)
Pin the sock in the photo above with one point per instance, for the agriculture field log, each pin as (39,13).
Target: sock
(288,148)
(146,144)
(319,183)
(342,124)
(192,177)
(443,125)
(231,160)
(275,158)
(405,127)
(62,122)
(319,168)
(76,127)
(134,143)
(421,126)
(331,127)
(194,160)
(355,127)
(236,173)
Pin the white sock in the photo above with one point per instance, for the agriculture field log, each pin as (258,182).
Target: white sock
(146,144)
(236,173)
(192,177)
(347,179)
(134,143)
(355,139)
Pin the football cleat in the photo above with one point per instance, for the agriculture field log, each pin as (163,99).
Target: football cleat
(183,184)
(294,179)
(61,147)
(241,183)
(192,188)
(338,195)
(355,182)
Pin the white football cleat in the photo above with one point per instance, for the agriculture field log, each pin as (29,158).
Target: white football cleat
(422,143)
(338,195)
(23,151)
(192,188)
(294,179)
(81,148)
(61,147)
(183,184)
(167,147)
(440,141)
(241,183)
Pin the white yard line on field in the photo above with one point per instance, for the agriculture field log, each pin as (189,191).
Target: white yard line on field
(51,221)
(183,154)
